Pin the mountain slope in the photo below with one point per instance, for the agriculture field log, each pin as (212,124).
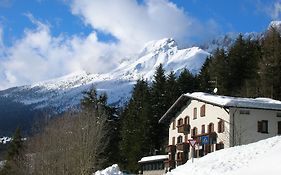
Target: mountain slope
(258,158)
(66,92)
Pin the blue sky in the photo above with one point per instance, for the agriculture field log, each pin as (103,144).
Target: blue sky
(71,35)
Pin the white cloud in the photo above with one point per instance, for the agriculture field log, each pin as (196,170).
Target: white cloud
(134,24)
(38,55)
(270,8)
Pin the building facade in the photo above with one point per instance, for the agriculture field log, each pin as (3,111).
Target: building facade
(217,122)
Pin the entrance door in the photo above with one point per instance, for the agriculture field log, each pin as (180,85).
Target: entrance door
(279,128)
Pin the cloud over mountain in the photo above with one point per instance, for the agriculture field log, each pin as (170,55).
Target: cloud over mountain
(39,55)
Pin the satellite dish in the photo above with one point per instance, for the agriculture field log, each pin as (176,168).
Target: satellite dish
(215,90)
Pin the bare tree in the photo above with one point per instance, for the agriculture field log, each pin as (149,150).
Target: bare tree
(70,144)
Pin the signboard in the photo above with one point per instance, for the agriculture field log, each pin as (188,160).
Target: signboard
(205,140)
(192,142)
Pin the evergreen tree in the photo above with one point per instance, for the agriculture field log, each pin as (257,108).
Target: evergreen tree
(187,82)
(172,89)
(243,61)
(204,76)
(136,127)
(159,106)
(219,72)
(14,155)
(270,66)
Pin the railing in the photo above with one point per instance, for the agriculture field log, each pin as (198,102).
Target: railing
(184,128)
(182,146)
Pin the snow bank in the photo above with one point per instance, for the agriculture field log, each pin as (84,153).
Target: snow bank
(112,170)
(258,158)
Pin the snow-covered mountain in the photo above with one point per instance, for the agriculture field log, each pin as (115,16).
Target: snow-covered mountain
(66,92)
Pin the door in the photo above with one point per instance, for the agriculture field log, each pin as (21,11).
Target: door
(279,128)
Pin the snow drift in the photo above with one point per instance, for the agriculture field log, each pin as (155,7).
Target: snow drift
(258,158)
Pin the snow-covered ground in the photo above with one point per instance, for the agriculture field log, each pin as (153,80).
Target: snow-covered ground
(112,170)
(258,158)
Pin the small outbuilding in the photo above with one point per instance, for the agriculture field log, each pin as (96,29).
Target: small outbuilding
(153,165)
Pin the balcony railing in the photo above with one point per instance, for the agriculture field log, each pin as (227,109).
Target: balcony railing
(182,146)
(171,149)
(184,128)
(181,159)
(169,163)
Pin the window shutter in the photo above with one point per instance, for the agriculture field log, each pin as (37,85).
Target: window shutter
(202,110)
(259,126)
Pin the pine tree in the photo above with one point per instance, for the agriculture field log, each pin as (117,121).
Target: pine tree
(204,76)
(219,72)
(187,82)
(172,89)
(270,66)
(159,106)
(136,127)
(243,61)
(14,155)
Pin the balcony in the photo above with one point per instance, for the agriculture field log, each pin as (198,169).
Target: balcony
(184,128)
(182,146)
(169,163)
(171,149)
(181,159)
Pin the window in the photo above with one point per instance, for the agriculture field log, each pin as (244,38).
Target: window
(195,113)
(263,126)
(186,120)
(179,139)
(220,126)
(203,129)
(202,111)
(173,141)
(211,127)
(278,115)
(174,125)
(194,131)
(180,122)
(245,112)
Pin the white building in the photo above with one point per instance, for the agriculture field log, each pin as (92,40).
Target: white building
(224,121)
(153,165)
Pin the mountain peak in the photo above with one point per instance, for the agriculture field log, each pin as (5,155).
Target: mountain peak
(161,45)
(275,24)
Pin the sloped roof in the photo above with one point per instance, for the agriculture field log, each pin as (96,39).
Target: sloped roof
(223,101)
(153,158)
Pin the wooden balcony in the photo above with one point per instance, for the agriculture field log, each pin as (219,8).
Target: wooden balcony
(169,163)
(181,159)
(171,149)
(184,128)
(182,146)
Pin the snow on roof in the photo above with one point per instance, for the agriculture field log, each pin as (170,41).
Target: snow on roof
(226,101)
(153,158)
(222,101)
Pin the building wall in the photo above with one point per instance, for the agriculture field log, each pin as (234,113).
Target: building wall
(212,113)
(246,125)
(154,172)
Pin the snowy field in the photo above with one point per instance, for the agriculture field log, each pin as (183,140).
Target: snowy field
(260,158)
